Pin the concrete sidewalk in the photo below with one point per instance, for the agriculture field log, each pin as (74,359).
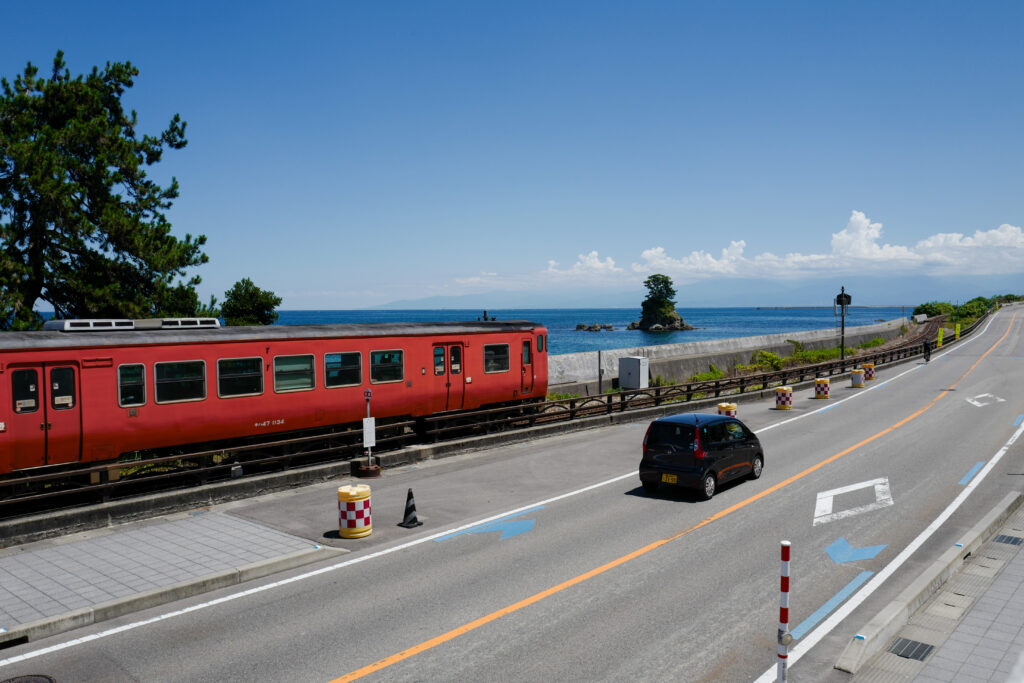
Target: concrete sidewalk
(56,585)
(972,629)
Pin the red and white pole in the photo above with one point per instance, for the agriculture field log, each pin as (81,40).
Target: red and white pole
(784,637)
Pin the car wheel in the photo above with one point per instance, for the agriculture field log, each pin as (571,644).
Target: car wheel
(650,486)
(709,485)
(756,467)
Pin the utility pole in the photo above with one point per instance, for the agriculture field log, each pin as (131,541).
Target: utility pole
(842,301)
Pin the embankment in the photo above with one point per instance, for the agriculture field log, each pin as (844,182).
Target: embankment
(578,372)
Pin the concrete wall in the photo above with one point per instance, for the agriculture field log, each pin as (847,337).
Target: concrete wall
(577,372)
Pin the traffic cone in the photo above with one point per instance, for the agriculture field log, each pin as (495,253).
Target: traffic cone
(410,513)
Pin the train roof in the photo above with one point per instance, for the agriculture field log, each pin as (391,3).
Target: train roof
(43,339)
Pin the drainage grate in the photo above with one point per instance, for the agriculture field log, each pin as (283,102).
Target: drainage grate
(911,649)
(1012,540)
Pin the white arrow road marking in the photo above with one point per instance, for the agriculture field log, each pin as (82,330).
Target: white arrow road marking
(982,400)
(823,507)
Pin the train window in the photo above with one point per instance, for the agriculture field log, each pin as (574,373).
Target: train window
(540,343)
(526,353)
(239,377)
(456,360)
(25,390)
(386,366)
(496,358)
(180,381)
(438,360)
(131,385)
(62,388)
(293,373)
(343,369)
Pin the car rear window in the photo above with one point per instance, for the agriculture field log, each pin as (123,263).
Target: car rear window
(670,434)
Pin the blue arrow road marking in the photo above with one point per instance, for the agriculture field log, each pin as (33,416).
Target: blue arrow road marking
(1020,418)
(508,526)
(823,611)
(841,551)
(970,474)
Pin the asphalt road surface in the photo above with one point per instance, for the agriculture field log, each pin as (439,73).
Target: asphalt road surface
(547,561)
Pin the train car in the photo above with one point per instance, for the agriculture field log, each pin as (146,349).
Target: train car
(91,391)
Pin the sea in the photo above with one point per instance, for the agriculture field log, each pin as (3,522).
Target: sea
(710,323)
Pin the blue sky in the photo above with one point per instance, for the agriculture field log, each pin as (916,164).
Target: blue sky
(533,154)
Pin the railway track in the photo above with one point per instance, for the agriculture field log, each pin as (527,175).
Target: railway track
(141,473)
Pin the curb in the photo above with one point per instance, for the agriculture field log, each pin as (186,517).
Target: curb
(890,620)
(111,609)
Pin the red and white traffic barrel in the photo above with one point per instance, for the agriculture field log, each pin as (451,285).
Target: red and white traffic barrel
(783,398)
(727,409)
(354,518)
(869,370)
(821,387)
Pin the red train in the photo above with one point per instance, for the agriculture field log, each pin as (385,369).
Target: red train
(86,391)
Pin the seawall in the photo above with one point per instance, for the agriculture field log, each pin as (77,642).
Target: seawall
(578,372)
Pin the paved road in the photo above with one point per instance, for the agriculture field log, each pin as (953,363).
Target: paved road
(585,577)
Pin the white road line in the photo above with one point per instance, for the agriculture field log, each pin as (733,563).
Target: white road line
(300,577)
(826,627)
(380,553)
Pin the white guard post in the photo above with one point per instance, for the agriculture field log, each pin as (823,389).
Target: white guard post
(369,430)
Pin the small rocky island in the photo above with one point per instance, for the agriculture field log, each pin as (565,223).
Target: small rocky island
(658,310)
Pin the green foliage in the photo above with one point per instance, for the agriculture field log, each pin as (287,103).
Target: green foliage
(811,356)
(766,360)
(934,308)
(877,341)
(972,310)
(712,374)
(659,381)
(797,346)
(660,302)
(562,396)
(82,227)
(247,304)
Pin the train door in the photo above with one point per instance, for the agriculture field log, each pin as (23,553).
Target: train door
(448,365)
(46,420)
(527,367)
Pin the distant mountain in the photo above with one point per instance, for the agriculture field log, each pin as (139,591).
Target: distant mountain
(866,290)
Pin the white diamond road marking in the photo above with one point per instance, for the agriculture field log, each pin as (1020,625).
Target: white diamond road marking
(823,507)
(982,400)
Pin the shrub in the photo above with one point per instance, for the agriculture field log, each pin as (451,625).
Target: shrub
(934,308)
(712,374)
(877,341)
(766,360)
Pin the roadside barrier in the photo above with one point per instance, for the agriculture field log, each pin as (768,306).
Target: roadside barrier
(783,398)
(869,370)
(727,409)
(354,519)
(821,387)
(857,378)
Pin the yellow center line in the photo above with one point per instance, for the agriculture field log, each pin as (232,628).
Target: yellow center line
(537,597)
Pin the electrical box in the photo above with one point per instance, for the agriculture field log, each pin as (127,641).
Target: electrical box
(633,372)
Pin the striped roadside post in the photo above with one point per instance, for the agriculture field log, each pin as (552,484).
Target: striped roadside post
(784,636)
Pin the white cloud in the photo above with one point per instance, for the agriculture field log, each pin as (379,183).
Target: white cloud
(857,249)
(585,266)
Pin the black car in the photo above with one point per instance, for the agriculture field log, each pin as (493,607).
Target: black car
(699,451)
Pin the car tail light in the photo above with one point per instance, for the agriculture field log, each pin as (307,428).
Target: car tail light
(649,428)
(698,452)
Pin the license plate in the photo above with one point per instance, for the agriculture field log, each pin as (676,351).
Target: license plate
(668,478)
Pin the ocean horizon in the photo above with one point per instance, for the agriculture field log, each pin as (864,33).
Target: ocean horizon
(710,323)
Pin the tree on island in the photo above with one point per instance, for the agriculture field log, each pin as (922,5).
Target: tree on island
(82,228)
(658,310)
(247,304)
